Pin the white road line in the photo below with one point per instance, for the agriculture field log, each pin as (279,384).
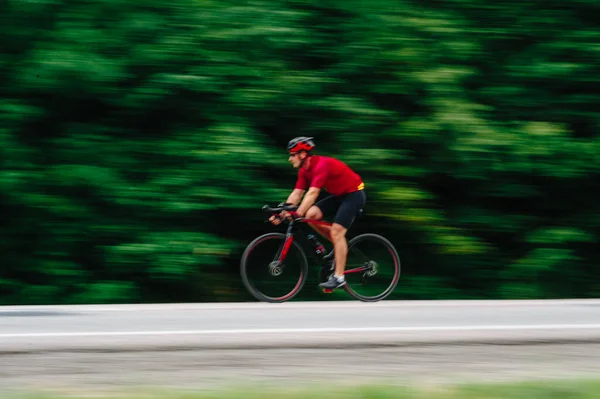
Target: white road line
(305,330)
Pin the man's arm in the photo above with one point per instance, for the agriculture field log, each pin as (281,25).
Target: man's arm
(293,199)
(318,181)
(295,196)
(309,199)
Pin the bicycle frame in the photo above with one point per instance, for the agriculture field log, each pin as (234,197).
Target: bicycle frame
(367,266)
(290,238)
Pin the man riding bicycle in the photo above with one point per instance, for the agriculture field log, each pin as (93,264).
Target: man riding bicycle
(347,198)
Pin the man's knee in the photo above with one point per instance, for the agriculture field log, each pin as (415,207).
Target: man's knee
(338,232)
(314,213)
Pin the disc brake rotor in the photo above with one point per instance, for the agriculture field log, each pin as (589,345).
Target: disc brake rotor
(372,268)
(275,269)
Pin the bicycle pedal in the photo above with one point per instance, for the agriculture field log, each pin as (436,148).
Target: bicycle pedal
(327,290)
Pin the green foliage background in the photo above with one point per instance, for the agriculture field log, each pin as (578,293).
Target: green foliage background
(138,141)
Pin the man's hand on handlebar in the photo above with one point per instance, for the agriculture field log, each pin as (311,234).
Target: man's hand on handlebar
(289,215)
(275,219)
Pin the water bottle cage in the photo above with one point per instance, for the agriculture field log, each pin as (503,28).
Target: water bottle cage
(319,248)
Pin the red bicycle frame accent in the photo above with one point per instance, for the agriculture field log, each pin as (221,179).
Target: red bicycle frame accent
(286,246)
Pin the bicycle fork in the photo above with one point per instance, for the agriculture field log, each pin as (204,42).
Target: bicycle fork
(283,251)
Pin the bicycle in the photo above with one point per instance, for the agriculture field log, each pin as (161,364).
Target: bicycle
(285,249)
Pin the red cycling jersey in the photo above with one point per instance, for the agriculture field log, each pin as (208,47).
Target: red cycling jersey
(329,173)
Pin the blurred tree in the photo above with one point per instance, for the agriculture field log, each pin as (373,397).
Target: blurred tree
(138,141)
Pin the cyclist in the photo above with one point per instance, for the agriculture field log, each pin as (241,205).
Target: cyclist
(347,198)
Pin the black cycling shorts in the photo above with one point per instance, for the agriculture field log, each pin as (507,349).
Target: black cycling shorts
(348,207)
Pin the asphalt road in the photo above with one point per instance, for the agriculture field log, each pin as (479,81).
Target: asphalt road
(129,327)
(111,348)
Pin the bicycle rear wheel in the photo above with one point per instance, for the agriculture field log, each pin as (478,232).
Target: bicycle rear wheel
(372,268)
(267,279)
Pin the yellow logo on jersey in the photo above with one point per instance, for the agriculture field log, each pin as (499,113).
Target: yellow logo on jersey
(361,186)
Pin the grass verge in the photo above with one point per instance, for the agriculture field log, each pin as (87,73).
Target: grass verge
(551,389)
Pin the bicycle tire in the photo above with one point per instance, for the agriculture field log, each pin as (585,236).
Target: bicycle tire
(252,289)
(396,278)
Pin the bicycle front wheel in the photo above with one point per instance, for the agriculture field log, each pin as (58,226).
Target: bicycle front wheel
(372,268)
(266,278)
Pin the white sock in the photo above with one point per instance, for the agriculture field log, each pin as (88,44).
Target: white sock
(339,278)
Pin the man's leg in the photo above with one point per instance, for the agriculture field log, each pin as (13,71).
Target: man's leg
(344,218)
(323,230)
(340,248)
(326,206)
(340,251)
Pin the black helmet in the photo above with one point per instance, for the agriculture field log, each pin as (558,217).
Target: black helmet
(301,144)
